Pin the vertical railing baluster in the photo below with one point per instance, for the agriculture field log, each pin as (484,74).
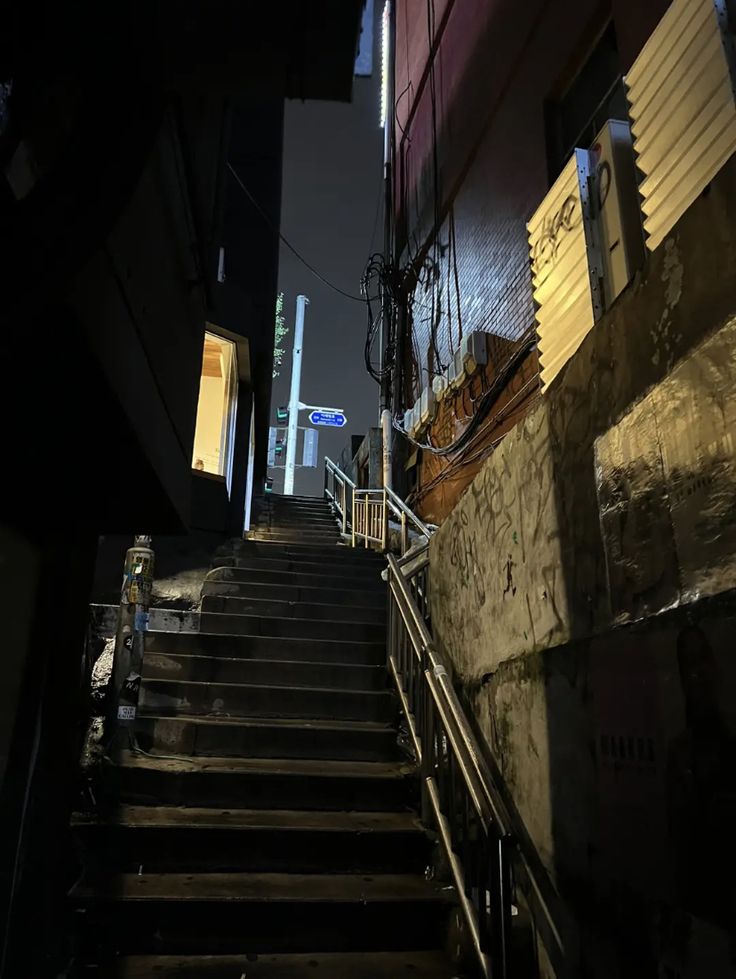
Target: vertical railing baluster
(468,847)
(485,890)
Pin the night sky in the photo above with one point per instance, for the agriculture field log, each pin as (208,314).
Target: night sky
(332,202)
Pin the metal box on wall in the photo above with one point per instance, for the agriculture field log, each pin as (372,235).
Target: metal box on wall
(585,244)
(616,203)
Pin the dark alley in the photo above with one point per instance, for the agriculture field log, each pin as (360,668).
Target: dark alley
(368,545)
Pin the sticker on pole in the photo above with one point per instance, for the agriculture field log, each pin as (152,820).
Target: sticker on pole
(336,419)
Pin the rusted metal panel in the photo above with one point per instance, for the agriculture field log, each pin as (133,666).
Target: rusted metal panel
(683,112)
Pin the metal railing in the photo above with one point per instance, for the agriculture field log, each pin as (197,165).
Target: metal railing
(370,517)
(339,490)
(366,514)
(459,794)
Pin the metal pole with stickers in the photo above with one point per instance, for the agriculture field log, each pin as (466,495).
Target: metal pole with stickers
(135,601)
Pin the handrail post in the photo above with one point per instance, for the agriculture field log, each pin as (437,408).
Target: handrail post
(384,521)
(404,535)
(344,507)
(353,508)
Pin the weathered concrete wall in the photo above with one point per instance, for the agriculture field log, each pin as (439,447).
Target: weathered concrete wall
(618,752)
(612,503)
(522,561)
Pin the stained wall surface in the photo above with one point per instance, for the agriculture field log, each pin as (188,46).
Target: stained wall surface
(584,590)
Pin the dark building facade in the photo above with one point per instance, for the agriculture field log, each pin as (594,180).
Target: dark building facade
(126,244)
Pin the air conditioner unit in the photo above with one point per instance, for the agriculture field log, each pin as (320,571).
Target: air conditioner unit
(427,406)
(473,351)
(616,206)
(408,416)
(439,386)
(414,424)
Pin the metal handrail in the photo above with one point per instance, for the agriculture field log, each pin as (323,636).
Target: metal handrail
(462,800)
(339,474)
(399,507)
(338,496)
(367,513)
(370,517)
(399,583)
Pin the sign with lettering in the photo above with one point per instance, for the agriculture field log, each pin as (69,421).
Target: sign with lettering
(335,419)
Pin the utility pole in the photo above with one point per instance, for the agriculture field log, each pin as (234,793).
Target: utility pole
(389,314)
(294,403)
(388,97)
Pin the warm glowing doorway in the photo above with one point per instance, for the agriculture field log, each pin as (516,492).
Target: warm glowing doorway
(218,391)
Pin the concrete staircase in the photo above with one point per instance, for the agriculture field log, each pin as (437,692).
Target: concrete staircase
(266,826)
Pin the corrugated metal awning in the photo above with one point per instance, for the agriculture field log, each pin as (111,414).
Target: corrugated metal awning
(681,97)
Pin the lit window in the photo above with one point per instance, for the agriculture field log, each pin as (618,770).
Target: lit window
(218,387)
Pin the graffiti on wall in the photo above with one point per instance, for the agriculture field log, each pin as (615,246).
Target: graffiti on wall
(506,592)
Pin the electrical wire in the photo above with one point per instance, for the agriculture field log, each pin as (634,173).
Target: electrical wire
(484,405)
(456,466)
(287,243)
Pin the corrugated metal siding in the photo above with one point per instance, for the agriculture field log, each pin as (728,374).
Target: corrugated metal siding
(560,273)
(683,112)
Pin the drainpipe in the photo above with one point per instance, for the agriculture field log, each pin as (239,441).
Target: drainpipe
(386,440)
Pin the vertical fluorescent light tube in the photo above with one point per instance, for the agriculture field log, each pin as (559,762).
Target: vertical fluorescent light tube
(384,63)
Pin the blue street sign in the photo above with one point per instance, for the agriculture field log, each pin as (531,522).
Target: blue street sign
(334,418)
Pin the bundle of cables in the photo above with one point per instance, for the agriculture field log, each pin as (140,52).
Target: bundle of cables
(379,283)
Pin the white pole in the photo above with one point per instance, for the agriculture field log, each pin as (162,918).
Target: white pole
(386,439)
(296,378)
(251,463)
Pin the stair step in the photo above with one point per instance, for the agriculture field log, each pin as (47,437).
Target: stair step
(267,738)
(188,697)
(339,553)
(324,525)
(303,530)
(270,672)
(267,647)
(289,498)
(225,912)
(303,515)
(298,535)
(180,839)
(310,516)
(286,591)
(262,783)
(320,612)
(300,574)
(231,623)
(316,965)
(329,562)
